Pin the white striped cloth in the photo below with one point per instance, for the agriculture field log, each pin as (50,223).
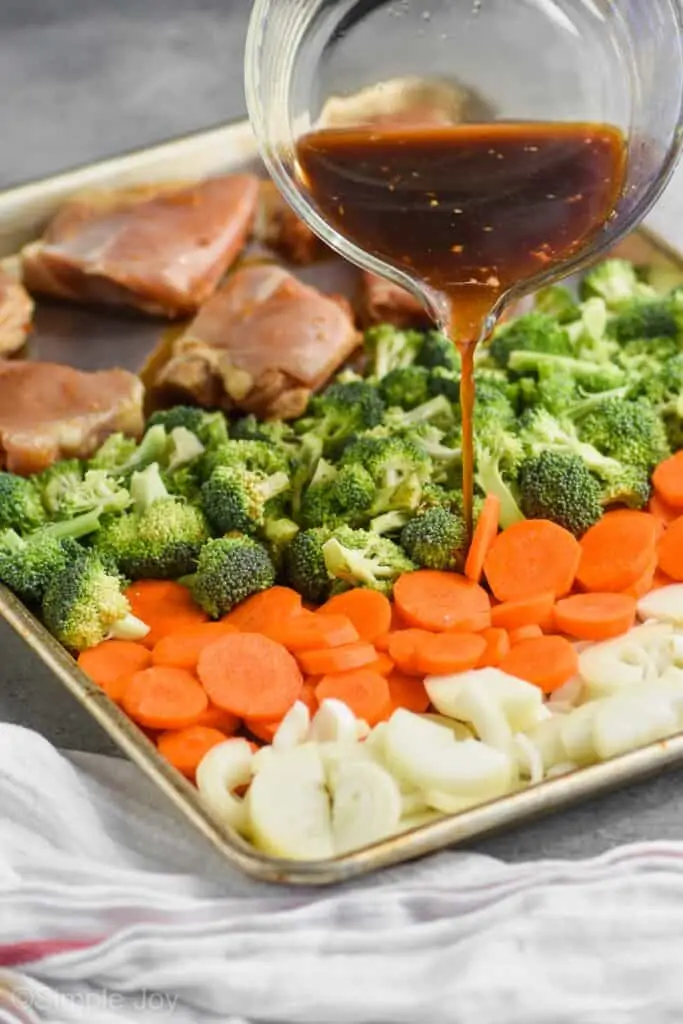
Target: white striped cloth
(110,911)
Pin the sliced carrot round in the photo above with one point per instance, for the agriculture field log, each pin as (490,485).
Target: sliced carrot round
(368,610)
(111,664)
(337,659)
(667,480)
(531,558)
(263,731)
(365,692)
(404,646)
(165,606)
(497,645)
(164,698)
(441,601)
(528,611)
(617,551)
(182,649)
(644,584)
(312,632)
(450,652)
(216,718)
(661,510)
(670,551)
(524,633)
(307,695)
(250,675)
(382,664)
(546,661)
(261,610)
(484,535)
(185,748)
(595,616)
(408,692)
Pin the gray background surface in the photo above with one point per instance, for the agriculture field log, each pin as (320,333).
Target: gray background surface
(86,79)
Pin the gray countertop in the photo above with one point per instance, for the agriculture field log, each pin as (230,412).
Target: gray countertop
(86,79)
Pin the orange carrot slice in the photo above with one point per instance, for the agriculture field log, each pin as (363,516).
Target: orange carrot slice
(365,692)
(368,610)
(617,551)
(164,698)
(166,607)
(531,558)
(484,535)
(595,616)
(546,661)
(250,675)
(182,649)
(408,692)
(670,551)
(185,748)
(497,645)
(111,664)
(337,659)
(442,601)
(450,652)
(529,611)
(667,480)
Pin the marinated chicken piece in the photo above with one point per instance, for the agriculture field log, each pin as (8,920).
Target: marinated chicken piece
(49,412)
(163,250)
(16,311)
(262,344)
(278,227)
(383,302)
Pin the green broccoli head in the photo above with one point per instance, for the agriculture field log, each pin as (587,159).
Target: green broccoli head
(21,508)
(436,539)
(347,497)
(97,492)
(211,428)
(557,302)
(234,498)
(588,374)
(438,352)
(552,390)
(254,456)
(541,431)
(615,281)
(341,412)
(57,482)
(398,467)
(640,319)
(121,456)
(443,381)
(277,433)
(534,332)
(632,432)
(628,486)
(28,565)
(84,605)
(230,569)
(662,386)
(388,348)
(277,535)
(558,486)
(406,387)
(360,558)
(305,568)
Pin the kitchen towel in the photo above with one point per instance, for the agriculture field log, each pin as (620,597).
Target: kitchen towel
(112,911)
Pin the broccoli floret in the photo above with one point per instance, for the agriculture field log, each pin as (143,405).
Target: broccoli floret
(359,558)
(347,497)
(210,428)
(493,409)
(663,387)
(445,382)
(541,431)
(638,320)
(121,456)
(633,433)
(160,539)
(28,565)
(390,522)
(229,570)
(58,480)
(496,465)
(558,486)
(304,467)
(438,351)
(438,411)
(589,374)
(184,483)
(273,432)
(627,486)
(643,357)
(184,448)
(20,506)
(557,302)
(406,387)
(84,605)
(436,539)
(255,456)
(445,451)
(552,390)
(388,348)
(305,567)
(532,333)
(97,492)
(616,281)
(236,499)
(398,467)
(342,411)
(278,533)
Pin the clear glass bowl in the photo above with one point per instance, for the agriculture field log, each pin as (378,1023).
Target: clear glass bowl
(330,62)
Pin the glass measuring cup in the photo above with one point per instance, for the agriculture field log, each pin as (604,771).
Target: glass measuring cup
(341,62)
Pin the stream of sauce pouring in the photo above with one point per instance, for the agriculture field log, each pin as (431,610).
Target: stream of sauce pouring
(470,210)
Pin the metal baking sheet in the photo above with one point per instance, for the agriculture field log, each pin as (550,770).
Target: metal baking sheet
(95,339)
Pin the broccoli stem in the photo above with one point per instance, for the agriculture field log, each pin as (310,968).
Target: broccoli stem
(128,628)
(152,448)
(80,526)
(185,447)
(147,487)
(390,522)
